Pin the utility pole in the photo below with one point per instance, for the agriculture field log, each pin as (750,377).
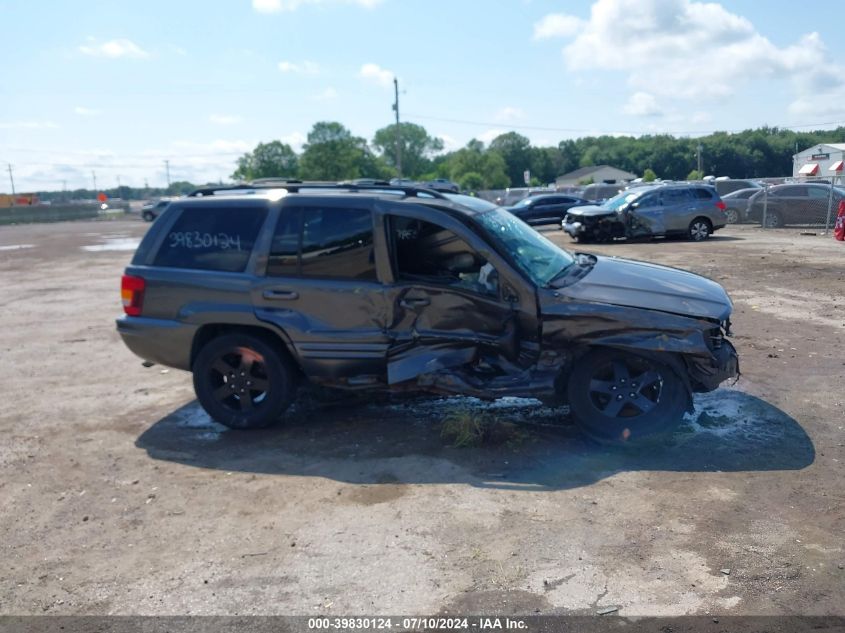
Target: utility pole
(398,129)
(94,176)
(64,190)
(167,169)
(11,178)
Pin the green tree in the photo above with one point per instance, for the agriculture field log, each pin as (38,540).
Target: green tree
(473,159)
(516,150)
(695,175)
(268,160)
(416,145)
(471,181)
(332,153)
(649,175)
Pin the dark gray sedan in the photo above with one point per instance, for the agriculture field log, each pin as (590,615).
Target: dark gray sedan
(545,209)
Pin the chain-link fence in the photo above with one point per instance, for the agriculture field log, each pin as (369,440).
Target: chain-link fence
(806,203)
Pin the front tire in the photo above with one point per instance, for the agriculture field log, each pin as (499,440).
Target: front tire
(148,217)
(617,397)
(699,229)
(242,381)
(731,216)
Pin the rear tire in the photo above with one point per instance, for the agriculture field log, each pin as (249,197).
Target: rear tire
(773,220)
(699,229)
(243,382)
(148,217)
(618,397)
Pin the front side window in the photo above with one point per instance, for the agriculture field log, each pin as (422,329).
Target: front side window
(423,251)
(211,238)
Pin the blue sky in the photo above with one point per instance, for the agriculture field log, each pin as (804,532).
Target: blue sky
(118,87)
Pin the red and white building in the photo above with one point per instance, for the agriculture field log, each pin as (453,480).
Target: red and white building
(825,160)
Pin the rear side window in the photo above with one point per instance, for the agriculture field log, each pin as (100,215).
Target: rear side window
(337,243)
(211,238)
(702,194)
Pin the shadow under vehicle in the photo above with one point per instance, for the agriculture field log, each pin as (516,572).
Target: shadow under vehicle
(409,290)
(693,211)
(396,442)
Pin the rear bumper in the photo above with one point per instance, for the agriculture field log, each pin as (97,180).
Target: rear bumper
(160,341)
(724,365)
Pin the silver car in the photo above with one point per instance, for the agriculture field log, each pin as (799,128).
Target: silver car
(694,211)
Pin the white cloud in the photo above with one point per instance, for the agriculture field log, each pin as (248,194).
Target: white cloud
(327,95)
(83,111)
(642,104)
(278,6)
(27,125)
(295,139)
(114,49)
(509,113)
(450,144)
(224,119)
(299,68)
(374,72)
(557,25)
(685,49)
(489,135)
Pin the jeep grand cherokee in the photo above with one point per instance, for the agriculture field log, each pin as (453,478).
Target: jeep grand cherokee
(256,290)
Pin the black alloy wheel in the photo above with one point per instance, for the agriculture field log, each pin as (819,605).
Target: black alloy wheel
(242,381)
(617,396)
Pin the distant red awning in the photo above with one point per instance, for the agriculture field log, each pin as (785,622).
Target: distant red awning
(837,166)
(810,169)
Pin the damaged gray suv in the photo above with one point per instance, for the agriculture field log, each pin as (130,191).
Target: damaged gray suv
(258,290)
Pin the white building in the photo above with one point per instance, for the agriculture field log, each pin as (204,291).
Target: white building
(817,161)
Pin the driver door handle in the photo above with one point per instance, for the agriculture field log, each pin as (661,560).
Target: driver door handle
(411,303)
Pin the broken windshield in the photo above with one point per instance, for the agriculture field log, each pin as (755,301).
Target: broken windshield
(536,256)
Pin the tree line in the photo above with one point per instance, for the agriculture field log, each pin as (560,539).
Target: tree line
(332,152)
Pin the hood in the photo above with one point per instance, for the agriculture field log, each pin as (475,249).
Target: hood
(626,282)
(590,210)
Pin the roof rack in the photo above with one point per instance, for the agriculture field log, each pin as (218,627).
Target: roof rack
(298,186)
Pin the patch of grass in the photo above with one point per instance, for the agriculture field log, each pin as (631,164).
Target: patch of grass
(468,429)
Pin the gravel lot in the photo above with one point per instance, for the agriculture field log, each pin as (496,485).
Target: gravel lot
(120,496)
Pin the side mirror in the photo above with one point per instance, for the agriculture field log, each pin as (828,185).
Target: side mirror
(633,205)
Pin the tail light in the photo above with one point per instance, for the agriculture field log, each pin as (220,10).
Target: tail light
(132,293)
(721,205)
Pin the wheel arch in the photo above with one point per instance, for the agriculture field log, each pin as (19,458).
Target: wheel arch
(673,360)
(210,331)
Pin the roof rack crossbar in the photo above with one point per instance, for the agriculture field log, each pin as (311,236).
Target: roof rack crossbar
(297,186)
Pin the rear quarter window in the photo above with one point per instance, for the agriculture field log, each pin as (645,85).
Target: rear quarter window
(219,238)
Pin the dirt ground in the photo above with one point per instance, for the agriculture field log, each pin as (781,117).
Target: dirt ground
(119,496)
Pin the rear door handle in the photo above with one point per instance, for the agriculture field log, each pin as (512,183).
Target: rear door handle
(411,303)
(280,295)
